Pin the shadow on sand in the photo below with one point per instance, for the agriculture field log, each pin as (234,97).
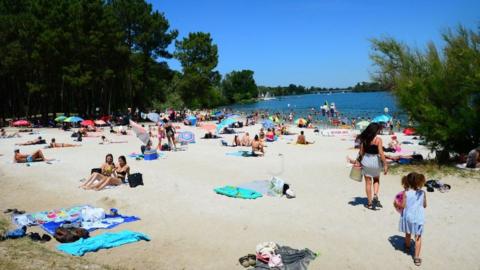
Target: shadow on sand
(358,201)
(398,243)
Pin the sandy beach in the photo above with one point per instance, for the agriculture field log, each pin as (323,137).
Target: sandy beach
(192,227)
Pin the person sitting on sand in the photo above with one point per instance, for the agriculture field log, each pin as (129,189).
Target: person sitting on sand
(302,140)
(246,141)
(270,136)
(261,134)
(38,140)
(34,157)
(107,169)
(53,144)
(3,134)
(121,171)
(83,131)
(473,158)
(394,144)
(257,145)
(236,141)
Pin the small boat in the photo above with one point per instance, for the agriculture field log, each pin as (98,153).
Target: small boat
(266,96)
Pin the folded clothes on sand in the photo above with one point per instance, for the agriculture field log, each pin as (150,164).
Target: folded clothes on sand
(56,215)
(102,241)
(109,222)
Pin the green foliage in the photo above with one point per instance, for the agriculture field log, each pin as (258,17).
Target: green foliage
(239,86)
(199,57)
(439,90)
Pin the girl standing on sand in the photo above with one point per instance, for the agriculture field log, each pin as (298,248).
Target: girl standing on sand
(372,159)
(412,219)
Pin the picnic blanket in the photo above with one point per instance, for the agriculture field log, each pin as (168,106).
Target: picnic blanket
(56,215)
(236,192)
(110,221)
(102,241)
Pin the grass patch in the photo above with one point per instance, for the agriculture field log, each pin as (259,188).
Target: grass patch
(432,169)
(24,254)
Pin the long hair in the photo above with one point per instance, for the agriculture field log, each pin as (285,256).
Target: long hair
(367,136)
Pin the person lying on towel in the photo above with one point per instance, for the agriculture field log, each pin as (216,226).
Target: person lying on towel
(34,157)
(38,140)
(54,144)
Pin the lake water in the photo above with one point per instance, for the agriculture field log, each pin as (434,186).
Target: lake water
(368,104)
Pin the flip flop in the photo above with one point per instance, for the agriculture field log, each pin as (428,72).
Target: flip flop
(9,210)
(444,188)
(252,259)
(417,261)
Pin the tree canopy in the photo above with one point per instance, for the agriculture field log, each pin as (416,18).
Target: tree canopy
(440,90)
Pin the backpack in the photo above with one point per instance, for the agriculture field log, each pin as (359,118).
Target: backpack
(165,147)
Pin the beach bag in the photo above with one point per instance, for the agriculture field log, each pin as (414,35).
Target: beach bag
(135,179)
(356,173)
(69,235)
(165,147)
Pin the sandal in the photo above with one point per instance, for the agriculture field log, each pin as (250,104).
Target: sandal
(417,261)
(244,261)
(369,206)
(376,202)
(252,259)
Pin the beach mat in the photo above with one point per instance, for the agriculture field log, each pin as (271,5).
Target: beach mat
(108,222)
(236,192)
(243,153)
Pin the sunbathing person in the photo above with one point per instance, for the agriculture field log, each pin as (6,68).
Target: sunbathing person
(106,171)
(473,158)
(257,146)
(122,170)
(53,144)
(246,141)
(4,134)
(261,134)
(270,136)
(302,140)
(236,141)
(38,140)
(34,157)
(107,141)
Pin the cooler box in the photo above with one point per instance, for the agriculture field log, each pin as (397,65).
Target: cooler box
(150,155)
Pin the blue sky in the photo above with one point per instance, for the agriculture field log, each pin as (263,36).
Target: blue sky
(313,43)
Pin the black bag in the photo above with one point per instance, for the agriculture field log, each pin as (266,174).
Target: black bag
(97,170)
(165,147)
(135,179)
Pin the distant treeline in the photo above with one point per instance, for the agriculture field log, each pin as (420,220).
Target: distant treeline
(293,89)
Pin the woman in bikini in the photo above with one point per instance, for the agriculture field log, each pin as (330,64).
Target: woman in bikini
(106,171)
(170,131)
(257,146)
(122,170)
(53,144)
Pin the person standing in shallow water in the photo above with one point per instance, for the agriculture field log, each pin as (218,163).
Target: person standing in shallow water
(372,159)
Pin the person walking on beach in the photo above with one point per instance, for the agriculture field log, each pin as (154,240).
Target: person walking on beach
(372,160)
(170,131)
(412,218)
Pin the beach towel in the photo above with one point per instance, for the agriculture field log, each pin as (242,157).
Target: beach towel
(292,259)
(236,192)
(56,215)
(241,153)
(102,241)
(108,222)
(140,156)
(273,187)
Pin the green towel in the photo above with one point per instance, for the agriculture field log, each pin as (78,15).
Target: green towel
(236,192)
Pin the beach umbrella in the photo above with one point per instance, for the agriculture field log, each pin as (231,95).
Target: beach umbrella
(73,119)
(208,127)
(409,131)
(268,124)
(60,118)
(154,117)
(192,119)
(140,132)
(225,123)
(100,123)
(87,123)
(381,118)
(300,121)
(186,137)
(362,124)
(21,123)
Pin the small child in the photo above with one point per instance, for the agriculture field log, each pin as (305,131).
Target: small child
(413,217)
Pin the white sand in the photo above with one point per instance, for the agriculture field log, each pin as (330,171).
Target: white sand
(193,228)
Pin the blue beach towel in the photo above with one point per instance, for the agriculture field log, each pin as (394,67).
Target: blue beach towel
(236,192)
(108,222)
(243,153)
(102,241)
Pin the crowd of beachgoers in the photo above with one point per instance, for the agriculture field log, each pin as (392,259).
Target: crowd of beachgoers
(159,132)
